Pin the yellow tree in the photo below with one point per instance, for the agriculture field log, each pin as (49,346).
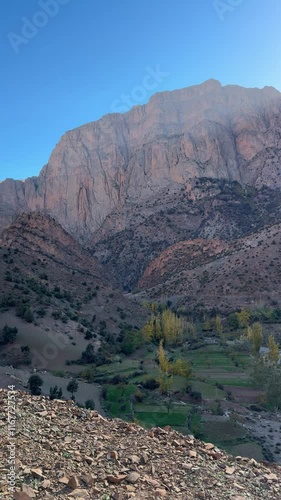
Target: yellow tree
(273,353)
(165,380)
(255,337)
(158,334)
(243,318)
(172,327)
(148,330)
(181,367)
(163,361)
(218,325)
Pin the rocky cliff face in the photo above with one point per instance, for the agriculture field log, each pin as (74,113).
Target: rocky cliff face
(202,131)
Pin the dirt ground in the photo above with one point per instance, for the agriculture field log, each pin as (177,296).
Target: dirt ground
(245,394)
(20,378)
(49,350)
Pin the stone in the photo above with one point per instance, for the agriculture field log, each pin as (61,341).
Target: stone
(144,457)
(87,479)
(230,470)
(46,484)
(114,455)
(20,495)
(73,483)
(161,493)
(28,490)
(115,479)
(79,494)
(64,480)
(133,477)
(37,473)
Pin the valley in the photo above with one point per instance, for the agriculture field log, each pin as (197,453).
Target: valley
(144,264)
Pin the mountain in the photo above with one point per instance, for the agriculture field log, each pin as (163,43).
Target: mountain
(79,454)
(202,131)
(213,273)
(51,286)
(208,209)
(143,191)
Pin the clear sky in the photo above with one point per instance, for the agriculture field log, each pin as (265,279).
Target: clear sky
(68,62)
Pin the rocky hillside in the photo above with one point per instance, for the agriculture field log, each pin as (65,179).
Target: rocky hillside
(66,452)
(204,210)
(244,272)
(50,284)
(202,131)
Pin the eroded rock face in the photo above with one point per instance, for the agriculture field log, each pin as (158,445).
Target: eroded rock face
(202,131)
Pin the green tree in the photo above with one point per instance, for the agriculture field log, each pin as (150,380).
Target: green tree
(266,375)
(90,404)
(26,356)
(55,393)
(132,340)
(28,315)
(88,356)
(233,321)
(9,335)
(72,387)
(35,383)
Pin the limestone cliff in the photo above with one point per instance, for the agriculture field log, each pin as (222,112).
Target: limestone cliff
(202,131)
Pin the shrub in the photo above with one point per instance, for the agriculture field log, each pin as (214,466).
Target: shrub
(72,387)
(90,404)
(88,335)
(195,396)
(56,315)
(8,335)
(55,392)
(151,384)
(89,355)
(34,383)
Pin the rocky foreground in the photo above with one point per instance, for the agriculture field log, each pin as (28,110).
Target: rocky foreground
(63,451)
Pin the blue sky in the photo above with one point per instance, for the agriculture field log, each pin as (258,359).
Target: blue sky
(68,62)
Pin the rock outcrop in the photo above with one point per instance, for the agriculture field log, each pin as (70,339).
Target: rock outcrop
(202,131)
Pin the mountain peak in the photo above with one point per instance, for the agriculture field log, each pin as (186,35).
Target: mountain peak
(206,130)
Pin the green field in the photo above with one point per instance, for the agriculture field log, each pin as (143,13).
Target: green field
(214,371)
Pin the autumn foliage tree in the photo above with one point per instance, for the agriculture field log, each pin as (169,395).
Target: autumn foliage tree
(273,353)
(255,337)
(243,318)
(168,370)
(165,380)
(166,326)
